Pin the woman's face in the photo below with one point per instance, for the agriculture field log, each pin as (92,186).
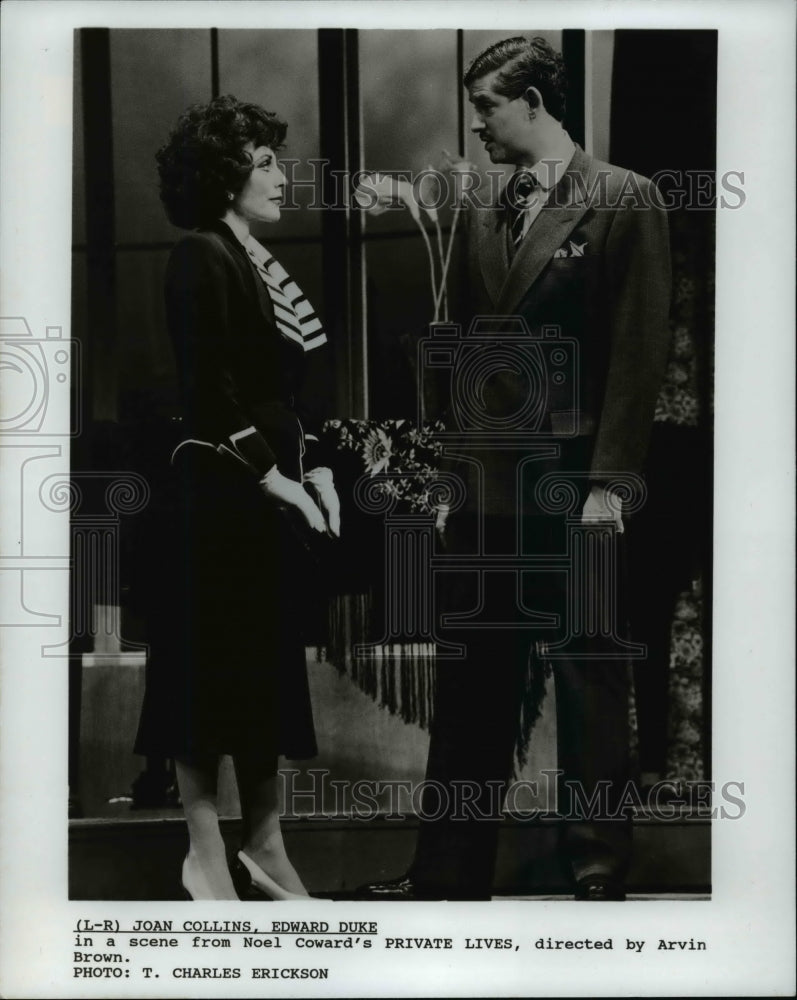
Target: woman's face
(261,196)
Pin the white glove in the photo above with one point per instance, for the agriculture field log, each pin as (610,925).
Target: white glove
(292,494)
(321,481)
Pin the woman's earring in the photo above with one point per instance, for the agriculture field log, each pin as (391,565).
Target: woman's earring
(230,196)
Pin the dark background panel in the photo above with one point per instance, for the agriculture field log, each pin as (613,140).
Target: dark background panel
(664,100)
(399,308)
(78,151)
(155,75)
(147,377)
(78,294)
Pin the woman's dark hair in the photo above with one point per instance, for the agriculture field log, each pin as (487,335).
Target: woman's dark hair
(204,160)
(523,63)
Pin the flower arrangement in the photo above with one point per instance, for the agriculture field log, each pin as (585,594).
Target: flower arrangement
(377,193)
(406,456)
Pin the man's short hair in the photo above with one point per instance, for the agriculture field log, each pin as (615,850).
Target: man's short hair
(523,63)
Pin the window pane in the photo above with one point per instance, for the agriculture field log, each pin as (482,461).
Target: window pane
(400,308)
(409,91)
(279,71)
(155,75)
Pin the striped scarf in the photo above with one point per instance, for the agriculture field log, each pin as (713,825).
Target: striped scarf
(295,317)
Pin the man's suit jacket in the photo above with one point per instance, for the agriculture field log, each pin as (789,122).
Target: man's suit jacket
(596,264)
(243,384)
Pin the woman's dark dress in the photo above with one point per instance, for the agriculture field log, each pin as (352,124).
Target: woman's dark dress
(227,672)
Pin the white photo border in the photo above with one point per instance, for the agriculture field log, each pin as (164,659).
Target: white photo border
(749,922)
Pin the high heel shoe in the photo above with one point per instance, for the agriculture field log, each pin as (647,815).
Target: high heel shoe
(265,883)
(195,885)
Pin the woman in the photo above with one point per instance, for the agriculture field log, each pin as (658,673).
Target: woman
(227,673)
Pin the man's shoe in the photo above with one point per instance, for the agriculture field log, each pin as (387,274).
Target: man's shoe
(599,888)
(407,888)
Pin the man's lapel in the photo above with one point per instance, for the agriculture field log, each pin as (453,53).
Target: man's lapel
(492,249)
(565,207)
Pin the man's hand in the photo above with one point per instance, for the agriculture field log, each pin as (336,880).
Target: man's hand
(321,481)
(603,505)
(440,520)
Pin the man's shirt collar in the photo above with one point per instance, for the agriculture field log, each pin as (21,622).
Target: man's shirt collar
(548,171)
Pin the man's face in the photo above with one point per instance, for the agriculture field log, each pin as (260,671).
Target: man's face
(502,124)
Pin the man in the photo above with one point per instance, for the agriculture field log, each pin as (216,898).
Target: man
(580,248)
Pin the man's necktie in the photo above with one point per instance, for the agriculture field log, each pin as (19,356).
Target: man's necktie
(519,189)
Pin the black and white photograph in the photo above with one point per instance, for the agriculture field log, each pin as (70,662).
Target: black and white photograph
(395,447)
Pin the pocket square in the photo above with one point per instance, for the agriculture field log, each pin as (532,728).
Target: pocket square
(571,250)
